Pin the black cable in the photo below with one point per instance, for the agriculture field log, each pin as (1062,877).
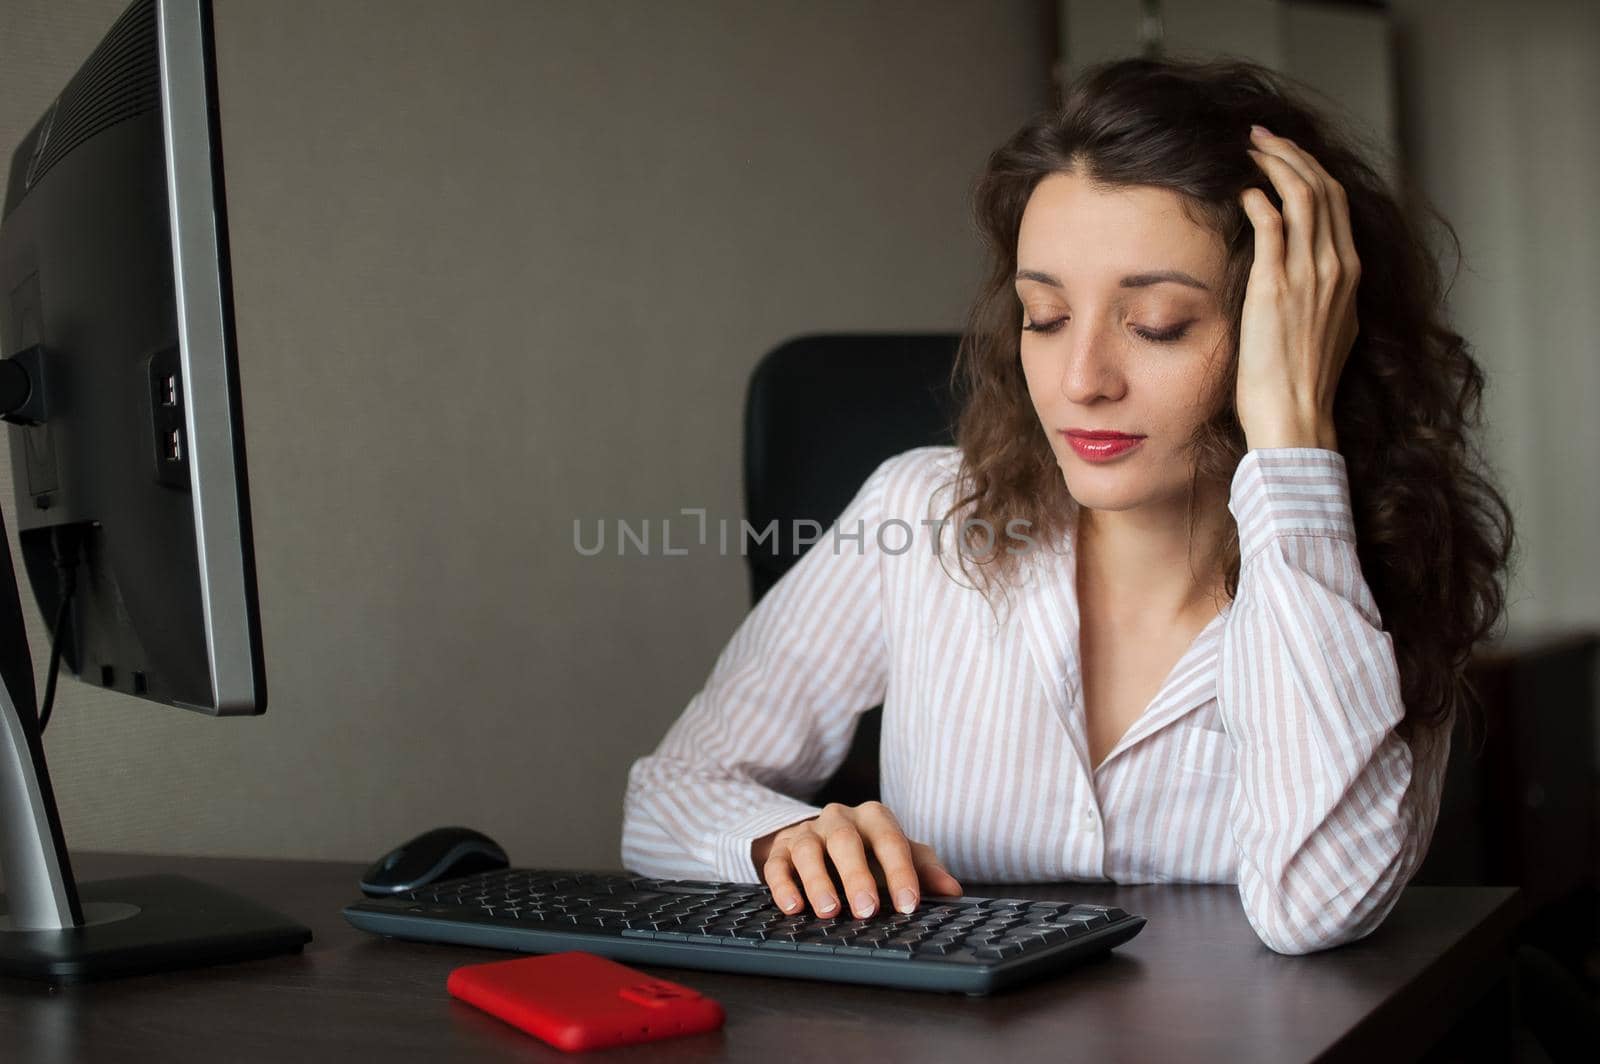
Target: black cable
(55,667)
(66,559)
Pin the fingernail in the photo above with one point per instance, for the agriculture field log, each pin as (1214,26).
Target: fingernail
(865,904)
(827,905)
(1260,131)
(788,904)
(906,899)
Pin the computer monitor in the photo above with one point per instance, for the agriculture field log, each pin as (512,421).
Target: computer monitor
(127,457)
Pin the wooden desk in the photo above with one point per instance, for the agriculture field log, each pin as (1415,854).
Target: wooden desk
(1195,985)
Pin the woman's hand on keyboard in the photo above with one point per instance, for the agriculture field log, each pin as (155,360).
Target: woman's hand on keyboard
(845,834)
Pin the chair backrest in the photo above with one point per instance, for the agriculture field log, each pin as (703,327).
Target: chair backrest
(821,413)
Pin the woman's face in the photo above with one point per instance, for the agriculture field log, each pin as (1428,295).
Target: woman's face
(1109,343)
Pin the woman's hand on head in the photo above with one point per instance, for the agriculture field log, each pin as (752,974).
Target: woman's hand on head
(794,862)
(1299,320)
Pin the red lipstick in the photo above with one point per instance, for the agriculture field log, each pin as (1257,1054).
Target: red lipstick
(1101,445)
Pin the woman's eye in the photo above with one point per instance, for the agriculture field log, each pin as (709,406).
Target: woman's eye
(1170,336)
(1042,327)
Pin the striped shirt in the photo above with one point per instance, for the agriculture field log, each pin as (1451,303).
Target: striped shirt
(1268,758)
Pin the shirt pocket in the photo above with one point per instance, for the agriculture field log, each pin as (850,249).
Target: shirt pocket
(1205,752)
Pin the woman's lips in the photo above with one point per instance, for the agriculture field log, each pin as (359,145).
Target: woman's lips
(1101,446)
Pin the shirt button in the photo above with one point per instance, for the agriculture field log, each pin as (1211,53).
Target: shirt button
(1089,820)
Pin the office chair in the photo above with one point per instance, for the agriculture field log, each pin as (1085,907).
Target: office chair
(821,413)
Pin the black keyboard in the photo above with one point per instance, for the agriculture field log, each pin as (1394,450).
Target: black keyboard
(970,945)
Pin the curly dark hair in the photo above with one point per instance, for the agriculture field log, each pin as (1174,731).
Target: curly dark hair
(1434,535)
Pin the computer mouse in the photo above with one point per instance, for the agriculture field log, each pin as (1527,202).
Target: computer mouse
(443,853)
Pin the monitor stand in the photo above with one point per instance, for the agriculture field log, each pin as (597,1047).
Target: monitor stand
(53,929)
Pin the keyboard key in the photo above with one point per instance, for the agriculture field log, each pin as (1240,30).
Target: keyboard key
(998,951)
(1088,918)
(964,956)
(856,951)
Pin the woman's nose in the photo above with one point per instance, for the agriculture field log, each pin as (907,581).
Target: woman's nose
(1091,367)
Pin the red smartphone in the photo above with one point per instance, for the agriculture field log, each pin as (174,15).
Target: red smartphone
(577,1000)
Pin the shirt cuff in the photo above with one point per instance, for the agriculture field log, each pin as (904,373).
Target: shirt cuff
(1290,491)
(734,863)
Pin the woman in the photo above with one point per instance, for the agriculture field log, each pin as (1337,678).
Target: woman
(1239,629)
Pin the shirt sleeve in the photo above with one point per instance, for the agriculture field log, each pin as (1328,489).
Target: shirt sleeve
(1333,810)
(776,716)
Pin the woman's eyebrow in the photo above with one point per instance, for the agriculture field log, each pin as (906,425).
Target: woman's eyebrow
(1133,280)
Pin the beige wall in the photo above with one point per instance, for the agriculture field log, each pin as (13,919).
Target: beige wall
(498,266)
